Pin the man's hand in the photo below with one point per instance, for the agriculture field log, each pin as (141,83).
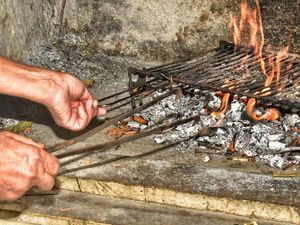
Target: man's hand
(72,106)
(70,103)
(24,164)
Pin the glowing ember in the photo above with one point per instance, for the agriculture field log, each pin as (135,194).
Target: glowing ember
(271,114)
(224,106)
(225,100)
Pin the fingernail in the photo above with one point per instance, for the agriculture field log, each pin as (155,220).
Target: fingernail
(95,104)
(101,111)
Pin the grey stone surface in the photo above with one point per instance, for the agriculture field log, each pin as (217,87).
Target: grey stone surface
(208,179)
(100,39)
(115,211)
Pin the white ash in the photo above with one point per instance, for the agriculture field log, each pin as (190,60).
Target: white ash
(290,120)
(274,160)
(206,159)
(262,140)
(133,124)
(212,102)
(235,111)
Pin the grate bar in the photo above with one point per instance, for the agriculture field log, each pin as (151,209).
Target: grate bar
(236,69)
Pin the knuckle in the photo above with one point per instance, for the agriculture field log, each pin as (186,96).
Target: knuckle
(50,185)
(24,185)
(32,172)
(5,133)
(34,152)
(56,167)
(12,196)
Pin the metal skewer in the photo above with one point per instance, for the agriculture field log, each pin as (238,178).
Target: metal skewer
(108,123)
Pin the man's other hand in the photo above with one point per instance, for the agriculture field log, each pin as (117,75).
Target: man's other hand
(72,106)
(23,164)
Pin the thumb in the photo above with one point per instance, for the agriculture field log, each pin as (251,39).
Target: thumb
(101,111)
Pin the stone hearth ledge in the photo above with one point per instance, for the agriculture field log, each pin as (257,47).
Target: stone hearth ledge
(192,186)
(76,208)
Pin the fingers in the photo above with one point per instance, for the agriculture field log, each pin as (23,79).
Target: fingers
(89,107)
(44,181)
(101,111)
(82,119)
(75,109)
(95,104)
(50,162)
(44,168)
(96,110)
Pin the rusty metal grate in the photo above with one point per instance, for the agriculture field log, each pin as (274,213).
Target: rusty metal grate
(235,70)
(218,70)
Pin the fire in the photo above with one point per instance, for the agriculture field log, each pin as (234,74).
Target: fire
(250,25)
(249,32)
(271,114)
(225,100)
(224,106)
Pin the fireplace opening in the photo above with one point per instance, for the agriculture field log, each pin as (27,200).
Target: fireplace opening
(203,101)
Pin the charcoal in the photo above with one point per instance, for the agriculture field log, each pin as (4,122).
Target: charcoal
(277,161)
(290,120)
(159,139)
(276,145)
(253,139)
(143,127)
(235,111)
(207,121)
(242,140)
(212,102)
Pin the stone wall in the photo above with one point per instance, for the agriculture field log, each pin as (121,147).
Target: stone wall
(148,30)
(24,26)
(73,35)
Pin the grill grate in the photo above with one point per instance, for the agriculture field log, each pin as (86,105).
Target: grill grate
(235,70)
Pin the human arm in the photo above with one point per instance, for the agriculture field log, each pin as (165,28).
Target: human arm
(71,105)
(23,162)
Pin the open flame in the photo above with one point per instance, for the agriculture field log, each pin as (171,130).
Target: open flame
(249,31)
(225,100)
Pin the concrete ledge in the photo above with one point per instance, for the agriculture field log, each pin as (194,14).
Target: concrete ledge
(206,179)
(201,202)
(75,208)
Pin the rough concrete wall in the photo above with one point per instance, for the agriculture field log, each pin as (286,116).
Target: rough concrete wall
(281,21)
(149,30)
(24,26)
(74,35)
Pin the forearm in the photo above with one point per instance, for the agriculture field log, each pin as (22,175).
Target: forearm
(22,81)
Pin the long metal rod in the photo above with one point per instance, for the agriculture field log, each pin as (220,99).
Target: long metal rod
(109,123)
(121,158)
(201,132)
(106,146)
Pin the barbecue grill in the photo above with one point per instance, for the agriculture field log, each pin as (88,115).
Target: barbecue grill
(231,69)
(228,68)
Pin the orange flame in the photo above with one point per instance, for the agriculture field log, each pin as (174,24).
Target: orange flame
(271,74)
(224,106)
(249,31)
(271,114)
(250,25)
